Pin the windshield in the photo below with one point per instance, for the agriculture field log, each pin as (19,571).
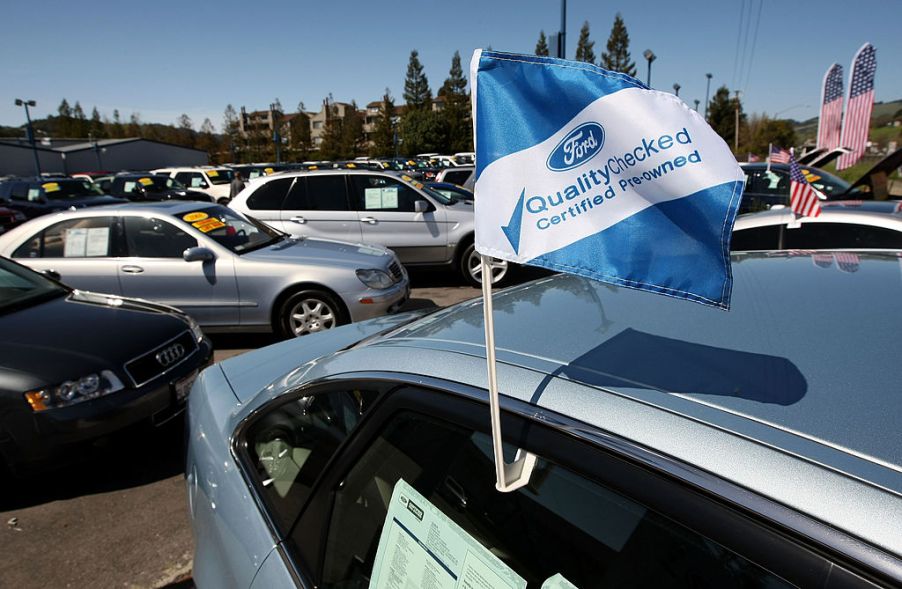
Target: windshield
(20,287)
(153,184)
(230,229)
(827,184)
(220,175)
(62,190)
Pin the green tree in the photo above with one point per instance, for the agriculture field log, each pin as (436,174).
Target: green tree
(185,134)
(330,146)
(207,140)
(300,133)
(542,45)
(584,47)
(352,136)
(763,131)
(97,128)
(417,93)
(423,130)
(384,134)
(134,125)
(456,112)
(617,57)
(80,126)
(117,131)
(64,126)
(232,131)
(722,115)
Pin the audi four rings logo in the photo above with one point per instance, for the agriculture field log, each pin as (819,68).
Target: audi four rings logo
(170,355)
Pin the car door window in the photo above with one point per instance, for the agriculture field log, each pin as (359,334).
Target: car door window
(756,238)
(269,196)
(149,237)
(323,193)
(289,445)
(562,524)
(89,237)
(19,191)
(770,182)
(381,193)
(841,236)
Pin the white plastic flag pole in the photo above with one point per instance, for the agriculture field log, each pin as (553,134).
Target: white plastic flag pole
(509,477)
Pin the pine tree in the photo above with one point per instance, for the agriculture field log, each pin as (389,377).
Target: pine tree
(134,125)
(416,86)
(617,57)
(207,140)
(232,131)
(64,127)
(722,116)
(330,146)
(80,125)
(384,133)
(117,131)
(185,132)
(97,129)
(300,133)
(457,109)
(352,132)
(584,47)
(542,45)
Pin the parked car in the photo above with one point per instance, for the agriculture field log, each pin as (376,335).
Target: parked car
(34,197)
(674,445)
(459,175)
(9,218)
(214,181)
(452,191)
(841,225)
(422,226)
(227,271)
(253,171)
(151,187)
(76,365)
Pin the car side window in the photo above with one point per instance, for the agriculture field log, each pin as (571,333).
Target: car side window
(19,191)
(288,447)
(89,237)
(381,193)
(772,182)
(323,193)
(841,236)
(149,237)
(756,238)
(562,524)
(269,195)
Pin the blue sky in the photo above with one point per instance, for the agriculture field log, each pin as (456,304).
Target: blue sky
(164,58)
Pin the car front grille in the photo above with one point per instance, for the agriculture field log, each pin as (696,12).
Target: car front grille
(161,360)
(395,270)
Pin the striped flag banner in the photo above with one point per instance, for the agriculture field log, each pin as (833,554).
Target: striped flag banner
(847,261)
(861,102)
(829,126)
(803,198)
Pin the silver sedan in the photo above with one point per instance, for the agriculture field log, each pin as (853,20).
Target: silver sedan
(228,271)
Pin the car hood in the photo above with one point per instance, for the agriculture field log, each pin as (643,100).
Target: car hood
(294,250)
(77,334)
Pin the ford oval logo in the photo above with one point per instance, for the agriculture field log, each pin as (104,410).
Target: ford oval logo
(579,146)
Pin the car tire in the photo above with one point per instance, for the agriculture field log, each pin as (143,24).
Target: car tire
(471,267)
(309,311)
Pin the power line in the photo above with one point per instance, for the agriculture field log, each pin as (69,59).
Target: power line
(748,71)
(738,37)
(743,54)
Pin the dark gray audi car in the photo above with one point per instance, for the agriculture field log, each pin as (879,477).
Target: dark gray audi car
(77,365)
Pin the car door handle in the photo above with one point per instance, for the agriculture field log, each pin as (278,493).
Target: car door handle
(299,220)
(370,220)
(132,269)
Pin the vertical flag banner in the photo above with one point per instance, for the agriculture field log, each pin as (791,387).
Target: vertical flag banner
(861,102)
(803,197)
(587,171)
(829,127)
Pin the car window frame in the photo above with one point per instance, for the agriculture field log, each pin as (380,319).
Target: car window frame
(126,252)
(117,239)
(635,472)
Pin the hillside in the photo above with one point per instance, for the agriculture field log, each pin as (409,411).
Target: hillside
(883,114)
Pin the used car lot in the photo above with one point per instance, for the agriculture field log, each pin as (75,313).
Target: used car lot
(622,396)
(34,197)
(225,270)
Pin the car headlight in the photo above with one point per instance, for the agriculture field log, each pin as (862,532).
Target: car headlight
(195,330)
(74,391)
(375,278)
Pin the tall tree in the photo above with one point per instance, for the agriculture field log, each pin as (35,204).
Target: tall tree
(207,140)
(617,57)
(300,133)
(185,133)
(64,127)
(352,132)
(117,131)
(384,134)
(542,45)
(80,125)
(134,125)
(722,115)
(417,93)
(763,131)
(232,131)
(585,49)
(423,130)
(456,112)
(97,129)
(330,147)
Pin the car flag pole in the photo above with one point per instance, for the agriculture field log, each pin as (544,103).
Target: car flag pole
(509,477)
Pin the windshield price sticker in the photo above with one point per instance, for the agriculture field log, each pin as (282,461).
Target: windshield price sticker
(146,181)
(208,225)
(50,186)
(212,173)
(422,547)
(192,217)
(558,582)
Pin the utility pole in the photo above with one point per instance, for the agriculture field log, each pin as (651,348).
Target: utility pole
(276,134)
(707,94)
(562,36)
(736,140)
(30,132)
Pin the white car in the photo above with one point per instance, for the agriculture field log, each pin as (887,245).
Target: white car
(848,224)
(422,226)
(214,181)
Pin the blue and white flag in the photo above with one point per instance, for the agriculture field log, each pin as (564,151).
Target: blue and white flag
(587,171)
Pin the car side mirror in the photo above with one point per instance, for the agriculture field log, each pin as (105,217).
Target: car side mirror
(197,254)
(420,206)
(52,274)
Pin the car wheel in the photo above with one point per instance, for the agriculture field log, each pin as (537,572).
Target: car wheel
(471,267)
(309,311)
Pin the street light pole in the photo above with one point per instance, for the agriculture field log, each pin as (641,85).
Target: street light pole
(650,56)
(697,102)
(707,94)
(562,36)
(30,132)
(736,138)
(676,88)
(276,135)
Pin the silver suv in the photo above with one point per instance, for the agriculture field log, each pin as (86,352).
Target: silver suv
(422,226)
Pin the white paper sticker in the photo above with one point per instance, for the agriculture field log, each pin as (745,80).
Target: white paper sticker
(385,197)
(421,547)
(558,582)
(372,198)
(98,242)
(129,186)
(390,197)
(76,239)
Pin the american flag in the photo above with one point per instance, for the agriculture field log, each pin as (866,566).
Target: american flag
(822,260)
(778,155)
(802,196)
(861,103)
(753,158)
(830,122)
(847,262)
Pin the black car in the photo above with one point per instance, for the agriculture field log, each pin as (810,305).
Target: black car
(76,365)
(153,187)
(38,196)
